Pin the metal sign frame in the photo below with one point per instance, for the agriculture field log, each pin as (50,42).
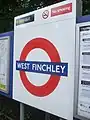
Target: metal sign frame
(81,22)
(10,35)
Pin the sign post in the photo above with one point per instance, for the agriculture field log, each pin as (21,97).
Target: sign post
(21,111)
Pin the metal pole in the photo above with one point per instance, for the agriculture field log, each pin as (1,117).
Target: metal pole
(60,119)
(47,116)
(21,111)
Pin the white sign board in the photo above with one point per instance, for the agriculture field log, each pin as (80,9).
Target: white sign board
(84,70)
(44,46)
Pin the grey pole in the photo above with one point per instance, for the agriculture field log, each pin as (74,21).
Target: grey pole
(21,111)
(60,119)
(47,116)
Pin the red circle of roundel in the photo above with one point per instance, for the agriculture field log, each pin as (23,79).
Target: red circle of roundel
(53,81)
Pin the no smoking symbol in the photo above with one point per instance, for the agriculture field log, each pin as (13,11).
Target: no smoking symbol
(45,14)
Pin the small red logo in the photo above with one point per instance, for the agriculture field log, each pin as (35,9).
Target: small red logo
(45,14)
(61,10)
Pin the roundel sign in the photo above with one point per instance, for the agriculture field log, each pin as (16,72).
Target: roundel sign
(55,68)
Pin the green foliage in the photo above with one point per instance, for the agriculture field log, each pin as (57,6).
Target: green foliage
(86,7)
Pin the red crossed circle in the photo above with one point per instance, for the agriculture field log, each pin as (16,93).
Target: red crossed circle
(45,14)
(52,52)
